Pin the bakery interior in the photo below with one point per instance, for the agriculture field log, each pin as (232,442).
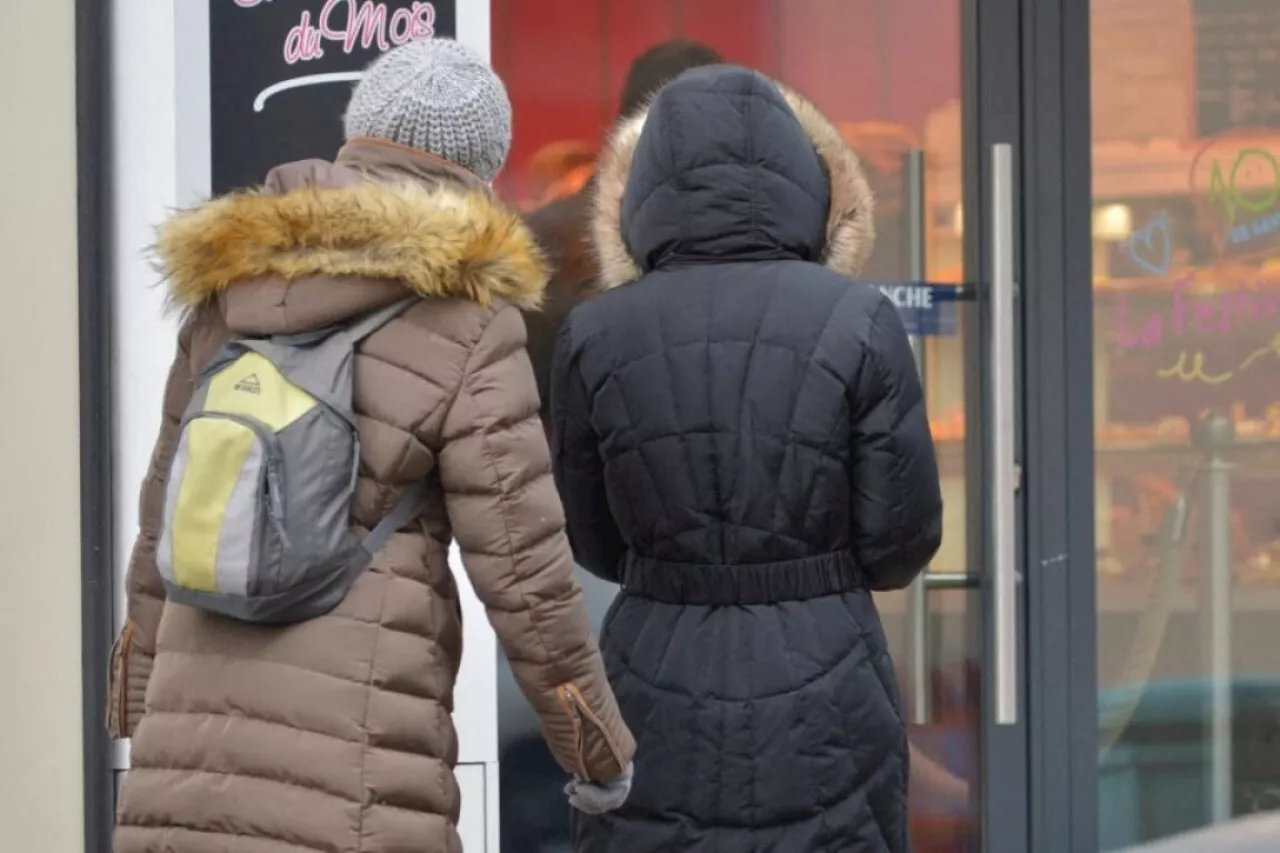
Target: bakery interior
(1185,336)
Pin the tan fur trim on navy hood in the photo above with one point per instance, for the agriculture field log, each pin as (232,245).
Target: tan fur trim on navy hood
(851,229)
(437,240)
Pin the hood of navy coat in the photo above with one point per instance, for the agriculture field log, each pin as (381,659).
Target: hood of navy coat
(728,165)
(723,172)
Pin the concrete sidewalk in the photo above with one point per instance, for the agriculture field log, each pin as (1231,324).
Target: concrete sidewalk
(1253,834)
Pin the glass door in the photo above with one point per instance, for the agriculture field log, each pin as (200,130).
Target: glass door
(1186,330)
(935,120)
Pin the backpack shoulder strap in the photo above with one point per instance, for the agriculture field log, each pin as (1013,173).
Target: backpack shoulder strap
(397,518)
(345,335)
(318,361)
(373,321)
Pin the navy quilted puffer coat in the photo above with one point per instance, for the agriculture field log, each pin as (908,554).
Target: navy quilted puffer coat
(741,443)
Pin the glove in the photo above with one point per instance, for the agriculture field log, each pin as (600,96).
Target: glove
(599,797)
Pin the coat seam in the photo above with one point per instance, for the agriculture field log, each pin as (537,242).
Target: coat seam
(364,718)
(509,538)
(452,399)
(717,494)
(171,825)
(503,501)
(256,777)
(628,409)
(826,674)
(825,448)
(310,671)
(275,724)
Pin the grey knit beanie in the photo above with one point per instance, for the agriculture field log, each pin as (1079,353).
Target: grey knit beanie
(438,96)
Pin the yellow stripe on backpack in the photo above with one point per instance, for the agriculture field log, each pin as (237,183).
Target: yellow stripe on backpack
(216,453)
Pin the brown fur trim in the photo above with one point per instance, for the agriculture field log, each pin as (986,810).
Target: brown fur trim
(851,229)
(438,241)
(616,264)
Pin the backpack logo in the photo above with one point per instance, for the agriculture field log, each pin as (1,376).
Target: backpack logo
(250,384)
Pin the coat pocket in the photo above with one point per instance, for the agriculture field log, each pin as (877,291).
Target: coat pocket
(586,724)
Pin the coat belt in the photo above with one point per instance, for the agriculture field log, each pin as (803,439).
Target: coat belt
(742,583)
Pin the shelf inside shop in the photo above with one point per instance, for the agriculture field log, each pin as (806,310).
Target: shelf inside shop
(1262,456)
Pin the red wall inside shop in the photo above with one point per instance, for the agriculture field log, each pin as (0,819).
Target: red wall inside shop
(564,61)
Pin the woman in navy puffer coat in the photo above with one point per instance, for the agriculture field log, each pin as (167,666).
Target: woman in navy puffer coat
(741,443)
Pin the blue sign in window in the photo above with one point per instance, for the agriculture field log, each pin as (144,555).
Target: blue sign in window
(926,310)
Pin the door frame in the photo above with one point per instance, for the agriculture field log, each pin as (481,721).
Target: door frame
(991,99)
(93,157)
(1026,83)
(1061,603)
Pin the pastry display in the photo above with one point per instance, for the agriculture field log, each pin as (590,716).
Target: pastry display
(1263,565)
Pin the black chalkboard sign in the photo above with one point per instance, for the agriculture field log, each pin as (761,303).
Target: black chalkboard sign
(1237,65)
(281,72)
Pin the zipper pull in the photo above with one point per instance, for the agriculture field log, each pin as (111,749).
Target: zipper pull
(276,509)
(573,705)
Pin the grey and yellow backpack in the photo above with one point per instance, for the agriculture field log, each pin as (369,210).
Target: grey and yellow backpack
(258,498)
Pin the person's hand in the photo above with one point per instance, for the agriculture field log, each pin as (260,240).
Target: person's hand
(599,797)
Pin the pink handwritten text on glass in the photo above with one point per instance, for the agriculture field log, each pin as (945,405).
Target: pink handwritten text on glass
(365,24)
(1215,314)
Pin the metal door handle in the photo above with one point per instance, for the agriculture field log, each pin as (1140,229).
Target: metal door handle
(1002,450)
(917,622)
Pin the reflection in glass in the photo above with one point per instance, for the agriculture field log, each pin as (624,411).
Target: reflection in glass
(1186,123)
(943,793)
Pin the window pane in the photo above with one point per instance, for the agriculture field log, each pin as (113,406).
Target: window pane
(1186,146)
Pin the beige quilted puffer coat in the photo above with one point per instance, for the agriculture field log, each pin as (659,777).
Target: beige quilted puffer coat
(334,735)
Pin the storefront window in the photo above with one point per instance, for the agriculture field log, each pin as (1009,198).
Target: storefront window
(1186,163)
(888,72)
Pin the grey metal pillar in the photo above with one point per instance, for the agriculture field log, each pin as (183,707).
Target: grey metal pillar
(1214,435)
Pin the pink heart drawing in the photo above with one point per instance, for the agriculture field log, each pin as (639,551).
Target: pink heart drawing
(1151,246)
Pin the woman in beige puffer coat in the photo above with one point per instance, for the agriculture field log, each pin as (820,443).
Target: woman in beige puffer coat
(335,734)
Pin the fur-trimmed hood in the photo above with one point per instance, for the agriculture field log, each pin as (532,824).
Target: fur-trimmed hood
(849,227)
(441,239)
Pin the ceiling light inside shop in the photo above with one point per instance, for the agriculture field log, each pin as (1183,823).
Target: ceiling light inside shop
(957,219)
(1113,222)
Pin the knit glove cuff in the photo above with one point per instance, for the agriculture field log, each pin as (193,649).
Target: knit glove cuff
(599,797)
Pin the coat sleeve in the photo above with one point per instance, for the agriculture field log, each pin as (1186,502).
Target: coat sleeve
(897,499)
(495,470)
(579,469)
(134,651)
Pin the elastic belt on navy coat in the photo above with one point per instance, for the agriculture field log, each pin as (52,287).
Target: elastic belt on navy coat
(742,583)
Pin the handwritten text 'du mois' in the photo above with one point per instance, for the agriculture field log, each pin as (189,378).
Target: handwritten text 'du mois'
(365,24)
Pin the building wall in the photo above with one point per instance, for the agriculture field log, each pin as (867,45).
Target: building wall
(41,808)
